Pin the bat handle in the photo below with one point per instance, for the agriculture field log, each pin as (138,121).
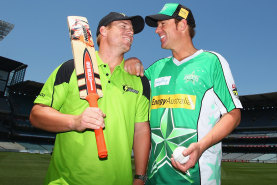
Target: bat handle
(100,140)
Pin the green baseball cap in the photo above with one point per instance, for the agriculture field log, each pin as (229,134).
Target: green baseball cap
(171,11)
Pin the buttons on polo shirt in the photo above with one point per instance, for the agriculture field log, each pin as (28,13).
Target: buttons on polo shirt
(107,74)
(109,81)
(105,65)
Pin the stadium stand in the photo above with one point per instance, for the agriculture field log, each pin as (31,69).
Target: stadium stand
(16,102)
(255,139)
(4,106)
(10,146)
(5,112)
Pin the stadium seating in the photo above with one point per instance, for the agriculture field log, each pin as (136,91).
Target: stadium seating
(14,119)
(4,106)
(262,118)
(255,139)
(22,104)
(250,157)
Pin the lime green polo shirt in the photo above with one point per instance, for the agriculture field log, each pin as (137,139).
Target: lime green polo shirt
(75,159)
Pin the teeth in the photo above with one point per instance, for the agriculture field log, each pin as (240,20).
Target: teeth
(128,39)
(162,36)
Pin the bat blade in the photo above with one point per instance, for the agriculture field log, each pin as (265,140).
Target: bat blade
(84,55)
(86,68)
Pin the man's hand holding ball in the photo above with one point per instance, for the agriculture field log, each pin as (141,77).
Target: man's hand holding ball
(178,155)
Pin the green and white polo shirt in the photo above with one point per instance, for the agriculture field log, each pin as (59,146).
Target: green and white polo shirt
(187,100)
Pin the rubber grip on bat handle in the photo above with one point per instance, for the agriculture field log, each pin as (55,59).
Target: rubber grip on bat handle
(100,140)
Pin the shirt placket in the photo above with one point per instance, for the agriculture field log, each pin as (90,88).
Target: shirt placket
(106,77)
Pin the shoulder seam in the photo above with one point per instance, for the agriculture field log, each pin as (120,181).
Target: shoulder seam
(145,87)
(64,72)
(157,61)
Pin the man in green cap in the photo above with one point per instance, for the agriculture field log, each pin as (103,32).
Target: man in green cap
(194,103)
(123,112)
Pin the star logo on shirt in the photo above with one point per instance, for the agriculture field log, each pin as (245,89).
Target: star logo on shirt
(216,171)
(191,78)
(165,139)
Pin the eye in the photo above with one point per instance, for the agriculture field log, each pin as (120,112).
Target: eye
(161,24)
(123,26)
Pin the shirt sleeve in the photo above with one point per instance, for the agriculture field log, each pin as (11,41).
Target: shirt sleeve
(142,113)
(224,85)
(46,94)
(147,73)
(55,89)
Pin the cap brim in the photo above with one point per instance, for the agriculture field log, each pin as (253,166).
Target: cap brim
(138,23)
(152,20)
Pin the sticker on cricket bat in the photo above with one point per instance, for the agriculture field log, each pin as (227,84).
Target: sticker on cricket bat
(80,31)
(86,68)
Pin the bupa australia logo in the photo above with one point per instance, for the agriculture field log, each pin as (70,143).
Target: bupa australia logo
(127,88)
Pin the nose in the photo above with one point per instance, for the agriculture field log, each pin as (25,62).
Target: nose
(158,29)
(130,31)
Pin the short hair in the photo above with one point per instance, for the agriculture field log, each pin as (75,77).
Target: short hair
(99,36)
(98,39)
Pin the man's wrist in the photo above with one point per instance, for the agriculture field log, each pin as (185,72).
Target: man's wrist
(141,177)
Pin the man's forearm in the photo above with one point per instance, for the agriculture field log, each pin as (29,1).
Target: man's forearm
(141,147)
(49,119)
(223,128)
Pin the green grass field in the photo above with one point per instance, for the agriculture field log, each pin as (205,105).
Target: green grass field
(23,168)
(248,173)
(30,169)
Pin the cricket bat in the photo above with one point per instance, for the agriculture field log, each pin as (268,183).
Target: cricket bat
(86,68)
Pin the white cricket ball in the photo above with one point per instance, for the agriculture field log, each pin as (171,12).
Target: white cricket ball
(178,156)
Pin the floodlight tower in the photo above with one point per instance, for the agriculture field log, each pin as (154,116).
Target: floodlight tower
(5,29)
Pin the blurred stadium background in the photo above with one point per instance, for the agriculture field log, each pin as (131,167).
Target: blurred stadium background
(249,152)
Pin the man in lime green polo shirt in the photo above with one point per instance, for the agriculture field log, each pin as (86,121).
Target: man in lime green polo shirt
(122,112)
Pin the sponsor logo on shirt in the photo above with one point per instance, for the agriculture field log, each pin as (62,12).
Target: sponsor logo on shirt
(127,88)
(174,101)
(191,78)
(234,89)
(42,94)
(162,81)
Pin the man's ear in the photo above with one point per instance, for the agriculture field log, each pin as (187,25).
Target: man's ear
(183,24)
(103,31)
